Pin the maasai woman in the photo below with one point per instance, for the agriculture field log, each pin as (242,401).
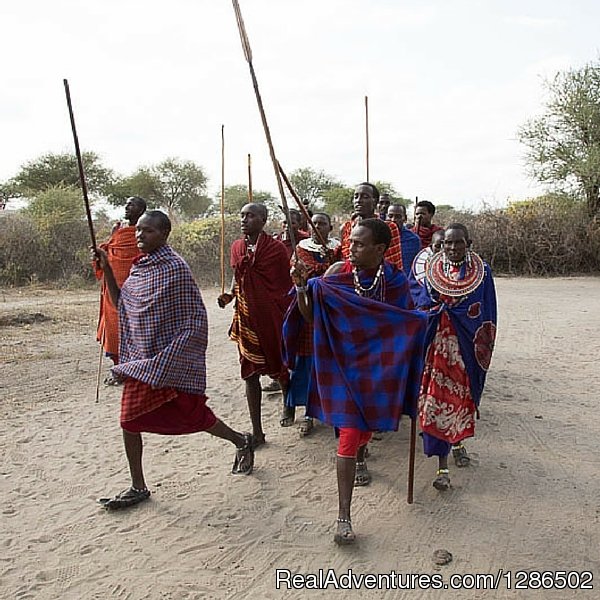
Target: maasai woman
(460,340)
(315,259)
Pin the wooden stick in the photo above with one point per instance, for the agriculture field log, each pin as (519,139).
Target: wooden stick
(222,209)
(100,364)
(367,132)
(250,194)
(411,460)
(416,222)
(84,190)
(248,56)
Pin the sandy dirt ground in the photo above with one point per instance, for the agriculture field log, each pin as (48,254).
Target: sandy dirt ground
(530,500)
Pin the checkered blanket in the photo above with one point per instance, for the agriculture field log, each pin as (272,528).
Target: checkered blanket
(368,354)
(163,325)
(393,253)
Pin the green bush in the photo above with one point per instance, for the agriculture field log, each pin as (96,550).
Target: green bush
(20,249)
(199,243)
(550,235)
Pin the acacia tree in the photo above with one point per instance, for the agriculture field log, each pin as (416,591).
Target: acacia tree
(51,170)
(338,200)
(175,185)
(237,195)
(385,187)
(563,144)
(311,185)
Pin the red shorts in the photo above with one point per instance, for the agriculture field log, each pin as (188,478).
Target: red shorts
(351,440)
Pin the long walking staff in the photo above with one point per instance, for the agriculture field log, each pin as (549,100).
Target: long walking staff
(411,459)
(367,133)
(301,205)
(222,209)
(248,56)
(99,375)
(250,193)
(416,221)
(88,212)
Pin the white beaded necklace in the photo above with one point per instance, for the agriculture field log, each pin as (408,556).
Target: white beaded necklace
(375,290)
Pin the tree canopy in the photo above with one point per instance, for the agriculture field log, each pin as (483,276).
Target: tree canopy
(50,170)
(311,184)
(237,195)
(563,144)
(57,204)
(385,187)
(175,185)
(338,200)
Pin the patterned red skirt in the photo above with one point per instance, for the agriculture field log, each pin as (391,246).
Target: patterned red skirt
(446,408)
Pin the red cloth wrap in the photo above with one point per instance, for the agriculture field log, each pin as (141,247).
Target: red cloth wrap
(262,285)
(164,411)
(121,249)
(426,233)
(394,252)
(284,238)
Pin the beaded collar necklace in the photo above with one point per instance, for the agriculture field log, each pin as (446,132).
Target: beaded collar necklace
(472,272)
(377,288)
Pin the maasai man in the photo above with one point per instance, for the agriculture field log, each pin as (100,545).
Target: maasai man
(315,259)
(366,195)
(164,334)
(383,205)
(284,236)
(460,340)
(368,350)
(410,243)
(121,249)
(423,225)
(260,286)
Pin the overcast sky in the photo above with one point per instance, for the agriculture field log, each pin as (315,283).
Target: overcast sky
(449,82)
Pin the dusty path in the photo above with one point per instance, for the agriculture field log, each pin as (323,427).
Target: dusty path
(530,501)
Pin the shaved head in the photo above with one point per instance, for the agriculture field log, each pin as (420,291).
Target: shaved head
(258,209)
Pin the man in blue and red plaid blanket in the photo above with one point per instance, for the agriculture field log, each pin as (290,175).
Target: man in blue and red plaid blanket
(368,350)
(162,352)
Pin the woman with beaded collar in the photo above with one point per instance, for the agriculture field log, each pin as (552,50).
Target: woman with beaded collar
(459,344)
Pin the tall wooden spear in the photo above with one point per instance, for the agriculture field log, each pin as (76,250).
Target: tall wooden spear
(367,133)
(248,56)
(88,212)
(222,209)
(411,459)
(250,194)
(416,222)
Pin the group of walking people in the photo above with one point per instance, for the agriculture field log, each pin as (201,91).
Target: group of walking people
(389,320)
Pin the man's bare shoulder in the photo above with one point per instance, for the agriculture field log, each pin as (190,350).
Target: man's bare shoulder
(334,268)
